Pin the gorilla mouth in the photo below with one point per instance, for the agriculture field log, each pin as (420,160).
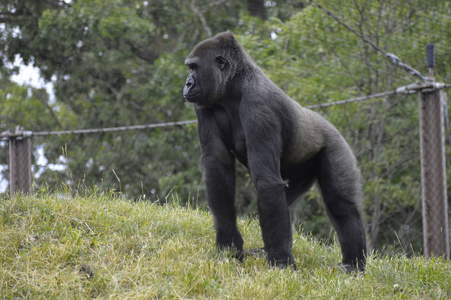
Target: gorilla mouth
(191,98)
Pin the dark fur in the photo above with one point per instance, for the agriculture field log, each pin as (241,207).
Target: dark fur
(243,115)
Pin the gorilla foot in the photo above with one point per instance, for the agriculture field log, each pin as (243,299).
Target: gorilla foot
(347,268)
(283,263)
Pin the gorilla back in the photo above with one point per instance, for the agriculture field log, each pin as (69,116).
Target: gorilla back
(242,115)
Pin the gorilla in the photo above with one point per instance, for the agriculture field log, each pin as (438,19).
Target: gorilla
(242,115)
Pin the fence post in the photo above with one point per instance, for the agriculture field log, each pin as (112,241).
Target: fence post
(19,164)
(433,169)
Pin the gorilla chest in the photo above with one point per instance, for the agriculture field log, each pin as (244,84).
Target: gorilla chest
(236,142)
(232,131)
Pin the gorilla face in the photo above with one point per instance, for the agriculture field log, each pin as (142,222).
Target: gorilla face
(207,77)
(193,88)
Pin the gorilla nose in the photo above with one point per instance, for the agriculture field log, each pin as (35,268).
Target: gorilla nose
(190,83)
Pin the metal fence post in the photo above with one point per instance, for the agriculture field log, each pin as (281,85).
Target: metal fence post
(20,164)
(433,169)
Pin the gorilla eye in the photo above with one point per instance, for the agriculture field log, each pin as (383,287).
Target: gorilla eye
(192,66)
(221,61)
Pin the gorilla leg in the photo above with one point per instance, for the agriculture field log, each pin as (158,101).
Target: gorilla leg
(339,180)
(220,185)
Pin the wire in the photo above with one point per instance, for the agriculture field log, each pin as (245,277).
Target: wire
(114,129)
(358,99)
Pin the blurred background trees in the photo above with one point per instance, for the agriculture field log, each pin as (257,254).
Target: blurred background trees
(120,62)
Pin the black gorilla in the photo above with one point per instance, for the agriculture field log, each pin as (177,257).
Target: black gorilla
(243,115)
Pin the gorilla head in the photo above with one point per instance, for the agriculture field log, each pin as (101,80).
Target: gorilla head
(242,115)
(212,65)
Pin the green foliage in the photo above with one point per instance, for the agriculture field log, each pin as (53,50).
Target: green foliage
(25,106)
(101,246)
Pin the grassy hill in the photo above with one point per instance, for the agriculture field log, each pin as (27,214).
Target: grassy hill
(99,246)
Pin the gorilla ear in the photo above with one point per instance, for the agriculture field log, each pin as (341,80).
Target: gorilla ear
(221,62)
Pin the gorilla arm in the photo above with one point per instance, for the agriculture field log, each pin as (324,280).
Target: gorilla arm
(218,168)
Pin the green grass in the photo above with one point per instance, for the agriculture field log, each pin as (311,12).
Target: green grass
(100,246)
